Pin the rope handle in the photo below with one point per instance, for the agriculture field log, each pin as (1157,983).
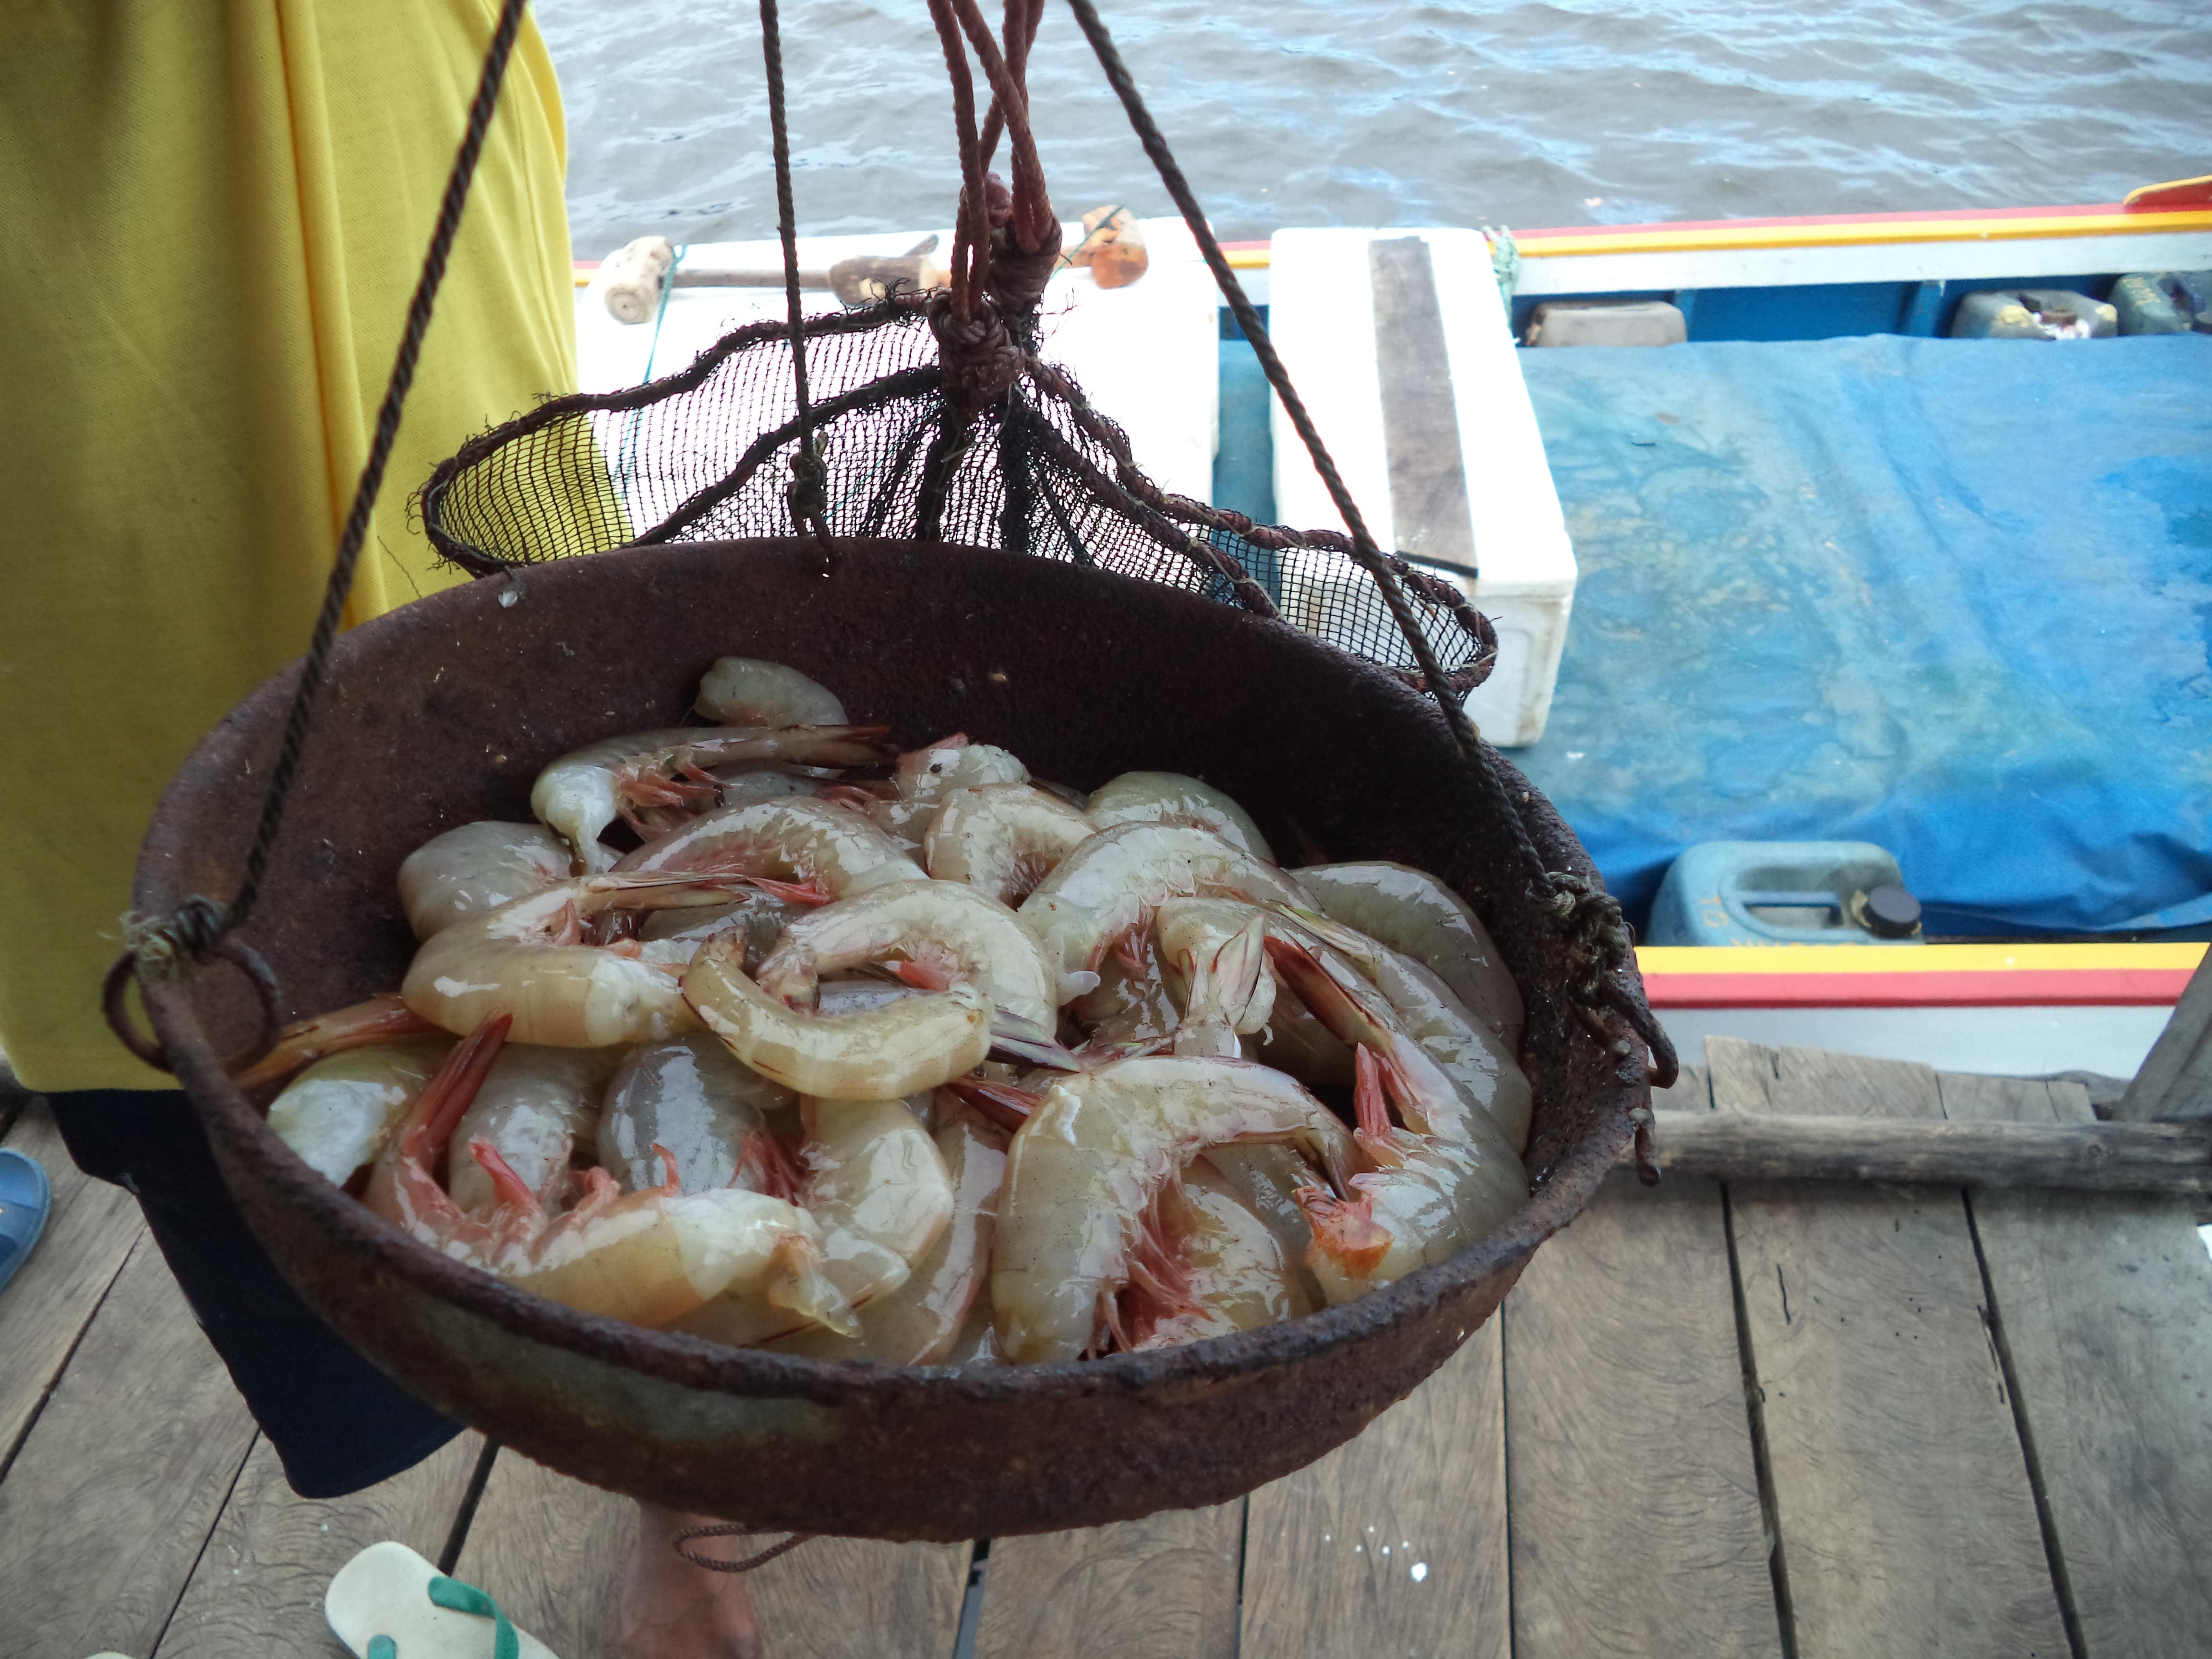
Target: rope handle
(198,929)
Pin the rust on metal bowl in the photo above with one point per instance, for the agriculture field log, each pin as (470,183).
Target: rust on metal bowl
(444,711)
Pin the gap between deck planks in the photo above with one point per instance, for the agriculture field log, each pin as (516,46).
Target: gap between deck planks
(1906,1519)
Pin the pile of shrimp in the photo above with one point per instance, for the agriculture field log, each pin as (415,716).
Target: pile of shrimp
(911,1057)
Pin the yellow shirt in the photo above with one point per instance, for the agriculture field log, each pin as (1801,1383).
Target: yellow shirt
(216,211)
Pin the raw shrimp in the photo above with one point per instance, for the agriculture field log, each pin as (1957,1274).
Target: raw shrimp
(535,1107)
(1427,1198)
(478,867)
(1228,1271)
(1171,798)
(874,1053)
(1216,968)
(527,959)
(879,1195)
(927,774)
(1464,1045)
(1113,883)
(831,850)
(1131,1004)
(937,933)
(977,1344)
(936,770)
(647,1257)
(1083,1168)
(1434,1049)
(382,1019)
(580,794)
(750,691)
(1290,1038)
(1410,910)
(1268,1177)
(919,1321)
(338,1113)
(1002,838)
(655,1255)
(688,1099)
(758,919)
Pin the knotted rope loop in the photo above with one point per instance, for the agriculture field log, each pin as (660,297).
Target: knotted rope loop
(199,930)
(978,355)
(162,938)
(732,1529)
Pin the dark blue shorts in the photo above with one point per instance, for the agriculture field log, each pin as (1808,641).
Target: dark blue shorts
(337,1422)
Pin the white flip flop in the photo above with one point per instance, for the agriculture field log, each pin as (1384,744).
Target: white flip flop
(389,1603)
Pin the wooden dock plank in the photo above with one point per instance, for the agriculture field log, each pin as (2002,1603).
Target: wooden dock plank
(1635,1525)
(119,1482)
(550,1550)
(1396,1543)
(2105,1304)
(1166,1584)
(89,1232)
(1907,1523)
(259,1587)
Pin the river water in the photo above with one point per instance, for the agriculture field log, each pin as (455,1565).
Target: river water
(1526,112)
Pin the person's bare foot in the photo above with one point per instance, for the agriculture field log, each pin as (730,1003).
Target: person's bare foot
(671,1609)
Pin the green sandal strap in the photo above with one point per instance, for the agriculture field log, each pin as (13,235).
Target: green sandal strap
(467,1598)
(460,1598)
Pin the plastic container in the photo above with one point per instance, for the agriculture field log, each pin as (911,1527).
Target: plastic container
(2033,314)
(2164,302)
(1505,515)
(1784,892)
(1608,323)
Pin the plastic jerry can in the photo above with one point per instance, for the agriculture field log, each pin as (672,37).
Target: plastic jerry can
(1784,892)
(2164,302)
(2033,314)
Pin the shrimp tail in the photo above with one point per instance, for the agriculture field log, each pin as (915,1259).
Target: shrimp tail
(1013,1037)
(1002,1103)
(382,1019)
(797,1283)
(1370,1108)
(1330,1002)
(1344,1230)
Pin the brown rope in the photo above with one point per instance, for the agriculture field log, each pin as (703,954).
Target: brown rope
(190,935)
(732,1529)
(810,479)
(1587,914)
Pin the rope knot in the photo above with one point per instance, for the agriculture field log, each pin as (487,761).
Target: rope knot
(166,947)
(978,357)
(809,494)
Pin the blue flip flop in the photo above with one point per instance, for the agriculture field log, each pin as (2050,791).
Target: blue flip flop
(25,1195)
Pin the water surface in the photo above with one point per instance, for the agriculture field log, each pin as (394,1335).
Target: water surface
(1318,112)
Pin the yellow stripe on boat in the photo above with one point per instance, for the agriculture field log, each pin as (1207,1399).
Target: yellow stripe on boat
(1722,237)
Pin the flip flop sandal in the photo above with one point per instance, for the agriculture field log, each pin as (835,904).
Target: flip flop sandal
(389,1603)
(25,1195)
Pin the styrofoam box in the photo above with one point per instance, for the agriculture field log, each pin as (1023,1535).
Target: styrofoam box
(1146,355)
(1321,315)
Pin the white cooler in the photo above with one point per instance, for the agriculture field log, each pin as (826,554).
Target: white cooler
(1400,345)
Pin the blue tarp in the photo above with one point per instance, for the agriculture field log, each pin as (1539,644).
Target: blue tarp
(1950,596)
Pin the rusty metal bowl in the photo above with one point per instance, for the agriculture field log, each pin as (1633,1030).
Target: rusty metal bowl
(444,711)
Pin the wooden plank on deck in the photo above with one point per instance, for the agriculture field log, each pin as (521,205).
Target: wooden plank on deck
(43,1310)
(551,1552)
(1635,1513)
(1907,1523)
(1396,1543)
(2105,1304)
(105,1510)
(258,1588)
(1166,1584)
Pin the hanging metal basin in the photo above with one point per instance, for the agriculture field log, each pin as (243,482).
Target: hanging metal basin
(444,712)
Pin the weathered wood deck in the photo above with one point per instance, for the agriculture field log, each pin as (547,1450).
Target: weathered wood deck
(1758,1419)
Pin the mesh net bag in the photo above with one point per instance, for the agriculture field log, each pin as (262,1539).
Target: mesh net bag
(926,430)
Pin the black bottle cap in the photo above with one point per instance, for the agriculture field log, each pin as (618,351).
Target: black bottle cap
(1891,912)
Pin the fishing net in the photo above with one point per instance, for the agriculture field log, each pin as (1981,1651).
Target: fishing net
(924,431)
(708,454)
